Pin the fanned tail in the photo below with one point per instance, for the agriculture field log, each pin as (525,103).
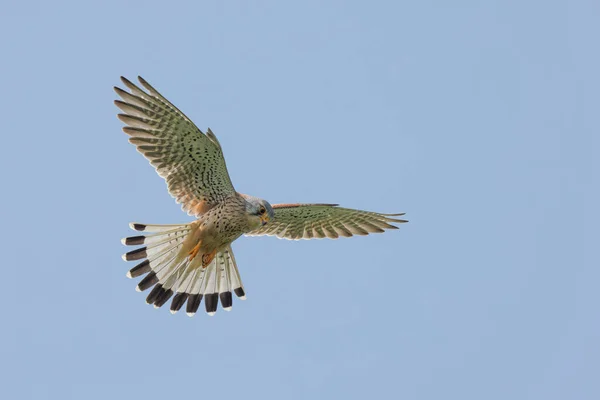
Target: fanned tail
(172,274)
(213,283)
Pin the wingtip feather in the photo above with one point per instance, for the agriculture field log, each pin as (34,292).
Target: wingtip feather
(145,83)
(126,81)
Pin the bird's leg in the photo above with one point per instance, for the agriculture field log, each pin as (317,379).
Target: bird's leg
(194,251)
(208,257)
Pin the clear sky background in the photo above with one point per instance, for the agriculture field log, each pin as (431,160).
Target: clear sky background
(479,119)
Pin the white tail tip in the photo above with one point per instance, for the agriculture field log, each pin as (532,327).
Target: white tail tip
(227,308)
(129,275)
(211,313)
(173,311)
(242,298)
(137,289)
(190,314)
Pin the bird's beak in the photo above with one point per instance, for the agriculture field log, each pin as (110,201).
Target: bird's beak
(264,219)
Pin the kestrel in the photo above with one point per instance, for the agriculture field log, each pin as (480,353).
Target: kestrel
(193,261)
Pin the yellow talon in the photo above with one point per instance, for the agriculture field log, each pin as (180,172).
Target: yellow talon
(194,252)
(207,258)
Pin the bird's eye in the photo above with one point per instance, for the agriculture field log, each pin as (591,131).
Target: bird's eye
(262,210)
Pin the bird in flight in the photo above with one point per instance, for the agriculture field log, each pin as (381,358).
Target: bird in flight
(192,261)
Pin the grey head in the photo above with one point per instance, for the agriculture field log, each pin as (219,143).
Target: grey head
(259,211)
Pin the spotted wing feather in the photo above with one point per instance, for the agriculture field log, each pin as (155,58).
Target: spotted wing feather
(189,160)
(317,221)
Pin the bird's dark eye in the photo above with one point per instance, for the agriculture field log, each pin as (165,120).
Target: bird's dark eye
(262,210)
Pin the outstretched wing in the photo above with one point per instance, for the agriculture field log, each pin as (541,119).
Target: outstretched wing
(189,160)
(317,221)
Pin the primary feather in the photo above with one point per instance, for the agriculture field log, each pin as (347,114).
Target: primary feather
(189,160)
(318,221)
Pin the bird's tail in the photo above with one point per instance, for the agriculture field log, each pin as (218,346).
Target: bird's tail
(172,273)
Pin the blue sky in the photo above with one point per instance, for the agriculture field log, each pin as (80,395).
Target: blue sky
(477,119)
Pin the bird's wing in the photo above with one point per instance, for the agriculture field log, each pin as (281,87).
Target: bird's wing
(190,161)
(317,221)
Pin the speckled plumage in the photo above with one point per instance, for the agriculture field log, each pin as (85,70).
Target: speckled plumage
(224,223)
(193,261)
(190,161)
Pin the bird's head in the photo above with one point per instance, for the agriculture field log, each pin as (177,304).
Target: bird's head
(259,211)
